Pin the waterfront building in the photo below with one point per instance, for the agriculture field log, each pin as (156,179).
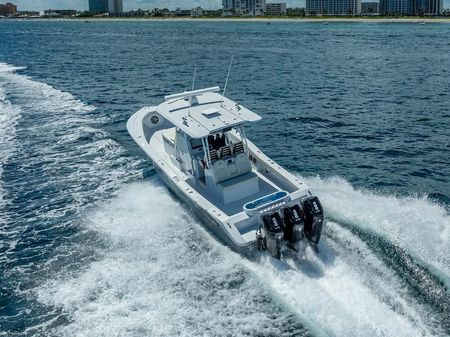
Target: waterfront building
(116,5)
(297,11)
(106,6)
(276,9)
(60,12)
(98,6)
(333,7)
(180,12)
(397,7)
(196,12)
(8,9)
(370,8)
(428,7)
(244,7)
(411,7)
(434,7)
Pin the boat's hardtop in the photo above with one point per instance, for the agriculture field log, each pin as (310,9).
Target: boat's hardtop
(202,112)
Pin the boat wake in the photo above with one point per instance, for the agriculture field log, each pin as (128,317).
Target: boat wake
(162,274)
(416,225)
(9,115)
(382,269)
(88,252)
(55,161)
(345,287)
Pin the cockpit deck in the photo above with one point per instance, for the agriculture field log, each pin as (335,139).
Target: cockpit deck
(265,187)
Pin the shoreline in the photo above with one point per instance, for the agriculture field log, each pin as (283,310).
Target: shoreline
(241,19)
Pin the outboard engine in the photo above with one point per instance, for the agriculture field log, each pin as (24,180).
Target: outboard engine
(313,219)
(274,228)
(293,220)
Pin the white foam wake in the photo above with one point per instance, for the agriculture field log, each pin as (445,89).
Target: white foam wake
(9,115)
(344,290)
(60,162)
(417,225)
(4,67)
(161,276)
(61,143)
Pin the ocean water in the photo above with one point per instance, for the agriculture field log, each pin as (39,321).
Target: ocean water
(92,243)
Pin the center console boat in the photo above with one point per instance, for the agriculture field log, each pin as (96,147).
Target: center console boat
(197,143)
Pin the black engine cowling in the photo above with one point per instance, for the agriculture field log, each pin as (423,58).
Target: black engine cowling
(313,219)
(274,228)
(273,223)
(293,220)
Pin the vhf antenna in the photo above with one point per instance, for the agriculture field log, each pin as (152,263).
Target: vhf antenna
(226,82)
(192,89)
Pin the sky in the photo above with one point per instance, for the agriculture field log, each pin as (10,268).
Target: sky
(39,5)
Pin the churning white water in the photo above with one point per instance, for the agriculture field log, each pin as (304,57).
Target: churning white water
(162,275)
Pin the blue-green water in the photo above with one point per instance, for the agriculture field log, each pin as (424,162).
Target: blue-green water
(91,243)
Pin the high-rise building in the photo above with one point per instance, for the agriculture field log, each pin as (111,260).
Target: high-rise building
(244,7)
(333,7)
(411,7)
(116,6)
(8,9)
(98,6)
(434,7)
(397,7)
(277,9)
(370,8)
(227,7)
(106,6)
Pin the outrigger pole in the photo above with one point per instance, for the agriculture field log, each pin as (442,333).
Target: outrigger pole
(226,82)
(192,89)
